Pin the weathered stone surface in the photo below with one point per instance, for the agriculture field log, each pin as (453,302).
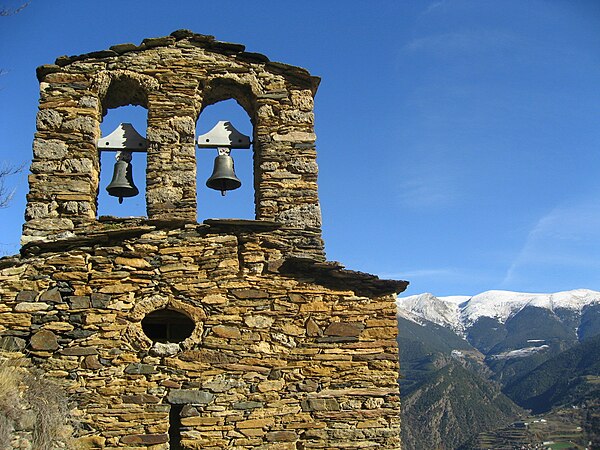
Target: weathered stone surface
(26,296)
(320,404)
(312,329)
(247,405)
(183,396)
(79,351)
(44,340)
(145,439)
(249,293)
(91,442)
(51,296)
(259,321)
(282,436)
(344,329)
(140,369)
(140,399)
(31,307)
(79,302)
(227,332)
(99,300)
(91,362)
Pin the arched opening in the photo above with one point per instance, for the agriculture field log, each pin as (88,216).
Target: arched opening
(131,206)
(238,203)
(167,326)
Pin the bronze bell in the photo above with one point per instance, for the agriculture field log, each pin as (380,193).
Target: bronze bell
(122,181)
(223,177)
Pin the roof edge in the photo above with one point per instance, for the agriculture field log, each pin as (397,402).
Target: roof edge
(333,274)
(238,51)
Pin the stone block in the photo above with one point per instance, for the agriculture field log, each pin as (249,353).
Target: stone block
(320,404)
(259,321)
(91,442)
(145,439)
(100,301)
(248,405)
(255,423)
(281,436)
(227,332)
(44,340)
(344,329)
(250,293)
(78,351)
(26,296)
(31,307)
(191,396)
(91,362)
(79,302)
(312,329)
(51,296)
(140,399)
(140,369)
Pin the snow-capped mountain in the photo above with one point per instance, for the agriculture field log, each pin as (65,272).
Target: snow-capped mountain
(513,330)
(539,349)
(444,311)
(460,312)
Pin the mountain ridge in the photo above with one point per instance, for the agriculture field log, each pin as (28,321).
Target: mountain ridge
(457,352)
(459,312)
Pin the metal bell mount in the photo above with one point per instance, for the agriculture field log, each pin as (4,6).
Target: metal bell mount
(224,137)
(125,140)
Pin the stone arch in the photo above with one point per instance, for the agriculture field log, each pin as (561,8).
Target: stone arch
(121,87)
(220,89)
(225,88)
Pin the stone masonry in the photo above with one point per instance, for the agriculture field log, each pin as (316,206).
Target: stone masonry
(284,350)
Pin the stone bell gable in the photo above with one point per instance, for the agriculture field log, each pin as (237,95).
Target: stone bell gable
(169,333)
(174,78)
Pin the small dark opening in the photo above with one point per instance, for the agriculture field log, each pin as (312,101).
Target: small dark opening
(167,325)
(175,427)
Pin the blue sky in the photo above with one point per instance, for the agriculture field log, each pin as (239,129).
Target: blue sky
(458,141)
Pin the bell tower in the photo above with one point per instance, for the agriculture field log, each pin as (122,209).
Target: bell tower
(169,333)
(77,91)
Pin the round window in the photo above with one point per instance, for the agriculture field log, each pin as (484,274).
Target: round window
(167,325)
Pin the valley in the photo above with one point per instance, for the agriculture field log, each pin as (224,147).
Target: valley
(476,366)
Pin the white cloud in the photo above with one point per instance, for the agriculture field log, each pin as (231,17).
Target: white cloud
(435,5)
(564,241)
(423,191)
(469,41)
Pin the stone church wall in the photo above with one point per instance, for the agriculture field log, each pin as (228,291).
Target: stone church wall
(274,361)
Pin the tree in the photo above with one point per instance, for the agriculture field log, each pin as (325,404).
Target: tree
(7,170)
(6,194)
